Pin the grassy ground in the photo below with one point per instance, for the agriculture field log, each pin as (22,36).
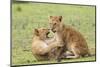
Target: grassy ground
(27,16)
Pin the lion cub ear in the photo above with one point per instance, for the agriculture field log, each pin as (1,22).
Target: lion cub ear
(36,32)
(60,18)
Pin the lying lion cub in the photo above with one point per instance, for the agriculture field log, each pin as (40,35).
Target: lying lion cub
(41,44)
(72,40)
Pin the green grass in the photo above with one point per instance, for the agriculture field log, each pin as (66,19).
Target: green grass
(27,16)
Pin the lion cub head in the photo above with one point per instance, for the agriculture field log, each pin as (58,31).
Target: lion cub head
(55,23)
(42,33)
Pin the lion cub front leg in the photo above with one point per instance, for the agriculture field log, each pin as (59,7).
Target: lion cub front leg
(52,46)
(51,43)
(59,50)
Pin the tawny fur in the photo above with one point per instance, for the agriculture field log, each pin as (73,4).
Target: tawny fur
(41,45)
(72,40)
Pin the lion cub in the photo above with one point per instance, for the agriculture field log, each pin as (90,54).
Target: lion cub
(72,40)
(41,44)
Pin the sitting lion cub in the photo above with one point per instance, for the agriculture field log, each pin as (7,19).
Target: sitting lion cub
(72,40)
(41,44)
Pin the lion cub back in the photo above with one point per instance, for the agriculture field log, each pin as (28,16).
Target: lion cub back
(75,40)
